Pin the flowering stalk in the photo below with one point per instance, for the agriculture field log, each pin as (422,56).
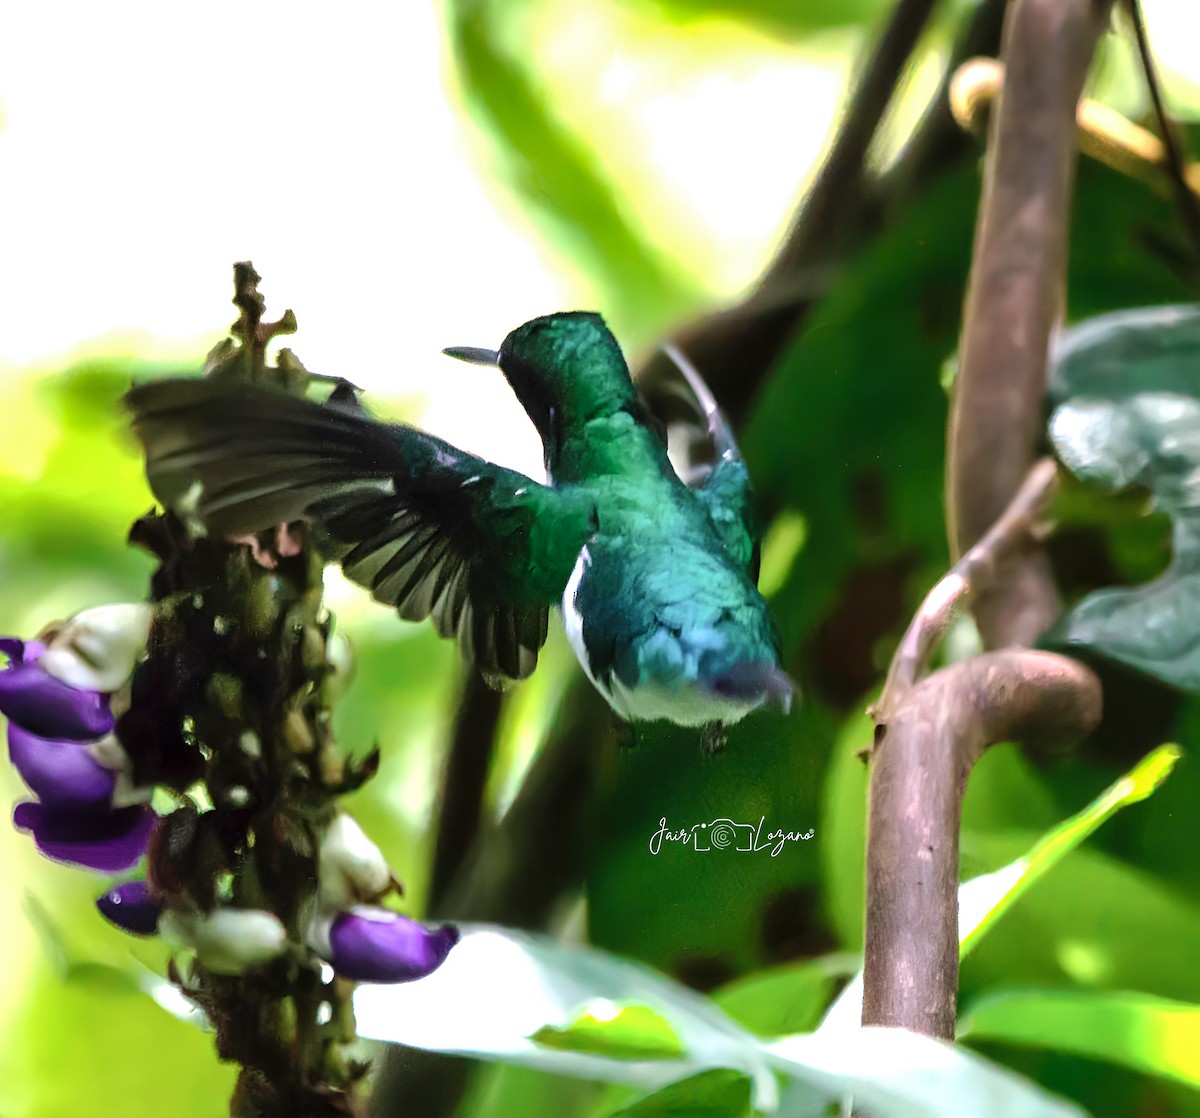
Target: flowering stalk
(219,696)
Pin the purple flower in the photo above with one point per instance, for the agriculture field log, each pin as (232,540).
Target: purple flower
(63,774)
(45,705)
(110,842)
(132,908)
(372,944)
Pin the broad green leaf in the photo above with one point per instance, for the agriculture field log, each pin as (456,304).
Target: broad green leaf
(1129,414)
(620,1032)
(711,1094)
(898,1074)
(984,900)
(1148,1034)
(516,983)
(498,988)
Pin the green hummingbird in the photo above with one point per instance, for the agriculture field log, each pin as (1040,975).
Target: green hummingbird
(655,578)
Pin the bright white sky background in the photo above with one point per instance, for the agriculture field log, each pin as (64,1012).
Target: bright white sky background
(144,147)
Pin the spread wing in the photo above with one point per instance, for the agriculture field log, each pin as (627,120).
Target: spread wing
(424,526)
(723,486)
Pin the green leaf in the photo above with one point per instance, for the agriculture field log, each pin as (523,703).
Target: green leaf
(499,987)
(516,984)
(711,1094)
(1129,414)
(1148,1034)
(984,900)
(785,17)
(786,999)
(892,1073)
(558,173)
(621,1032)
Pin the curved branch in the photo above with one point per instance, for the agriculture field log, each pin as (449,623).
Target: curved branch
(920,764)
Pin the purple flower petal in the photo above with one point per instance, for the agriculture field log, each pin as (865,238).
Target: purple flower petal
(19,651)
(132,908)
(62,774)
(370,944)
(111,843)
(47,706)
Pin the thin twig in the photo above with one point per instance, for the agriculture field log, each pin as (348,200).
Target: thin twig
(972,573)
(843,174)
(1189,205)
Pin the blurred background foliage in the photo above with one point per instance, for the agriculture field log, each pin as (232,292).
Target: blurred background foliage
(409,177)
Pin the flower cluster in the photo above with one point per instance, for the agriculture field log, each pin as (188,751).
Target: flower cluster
(61,695)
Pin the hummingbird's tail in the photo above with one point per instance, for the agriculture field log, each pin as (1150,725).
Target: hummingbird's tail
(759,680)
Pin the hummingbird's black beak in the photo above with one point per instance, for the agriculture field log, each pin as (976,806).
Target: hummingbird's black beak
(473,354)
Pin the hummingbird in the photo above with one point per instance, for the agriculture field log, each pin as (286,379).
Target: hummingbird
(655,577)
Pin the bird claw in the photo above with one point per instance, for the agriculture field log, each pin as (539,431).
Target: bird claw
(713,738)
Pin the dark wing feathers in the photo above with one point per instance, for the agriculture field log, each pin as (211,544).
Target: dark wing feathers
(424,526)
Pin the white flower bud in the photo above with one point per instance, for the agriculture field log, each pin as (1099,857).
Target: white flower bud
(351,869)
(227,940)
(96,650)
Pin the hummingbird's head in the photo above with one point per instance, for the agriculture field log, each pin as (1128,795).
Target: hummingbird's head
(564,368)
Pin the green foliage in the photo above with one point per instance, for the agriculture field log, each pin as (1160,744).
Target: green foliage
(845,446)
(980,906)
(627,1032)
(1129,416)
(557,172)
(1152,1035)
(711,1094)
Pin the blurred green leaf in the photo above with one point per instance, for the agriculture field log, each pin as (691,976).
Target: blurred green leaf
(98,1046)
(785,17)
(892,1073)
(559,174)
(1149,1034)
(843,828)
(786,999)
(1129,414)
(620,1032)
(711,1094)
(984,900)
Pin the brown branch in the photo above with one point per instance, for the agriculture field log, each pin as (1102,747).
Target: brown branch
(842,179)
(1015,296)
(929,737)
(920,765)
(1017,526)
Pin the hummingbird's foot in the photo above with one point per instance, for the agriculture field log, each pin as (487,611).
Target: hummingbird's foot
(626,734)
(713,738)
